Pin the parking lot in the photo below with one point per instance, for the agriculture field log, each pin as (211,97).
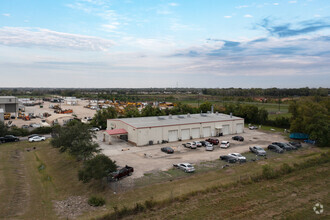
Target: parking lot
(149,158)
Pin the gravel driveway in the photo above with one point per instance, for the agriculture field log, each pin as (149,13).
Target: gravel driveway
(150,158)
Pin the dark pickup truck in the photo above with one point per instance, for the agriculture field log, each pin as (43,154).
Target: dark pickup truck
(125,171)
(8,138)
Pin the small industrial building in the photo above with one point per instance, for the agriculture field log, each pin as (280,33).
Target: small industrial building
(9,104)
(155,130)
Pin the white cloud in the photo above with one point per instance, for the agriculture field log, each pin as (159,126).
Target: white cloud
(276,4)
(173,4)
(44,38)
(292,2)
(248,16)
(6,14)
(242,6)
(317,16)
(227,16)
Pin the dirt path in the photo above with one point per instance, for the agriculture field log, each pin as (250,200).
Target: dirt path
(16,198)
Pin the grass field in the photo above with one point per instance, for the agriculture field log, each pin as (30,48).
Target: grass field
(31,180)
(292,196)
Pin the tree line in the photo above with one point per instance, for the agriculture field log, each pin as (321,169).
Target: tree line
(269,92)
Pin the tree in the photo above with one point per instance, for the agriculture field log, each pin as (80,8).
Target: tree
(263,116)
(206,106)
(131,111)
(150,111)
(312,118)
(76,138)
(101,116)
(3,129)
(97,168)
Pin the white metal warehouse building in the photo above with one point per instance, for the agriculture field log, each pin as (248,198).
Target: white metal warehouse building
(154,130)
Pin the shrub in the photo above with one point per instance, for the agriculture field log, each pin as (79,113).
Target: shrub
(286,168)
(42,130)
(268,172)
(96,201)
(19,132)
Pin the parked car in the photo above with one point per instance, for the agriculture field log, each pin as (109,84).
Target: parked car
(32,135)
(37,139)
(253,127)
(228,158)
(197,143)
(238,156)
(25,126)
(35,125)
(204,143)
(275,148)
(258,150)
(125,171)
(283,146)
(295,144)
(94,129)
(209,147)
(292,147)
(190,145)
(167,150)
(186,167)
(238,138)
(213,141)
(9,138)
(224,144)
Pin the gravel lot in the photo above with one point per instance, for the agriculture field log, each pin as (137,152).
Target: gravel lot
(150,158)
(78,110)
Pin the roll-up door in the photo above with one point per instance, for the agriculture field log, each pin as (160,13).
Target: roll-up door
(239,128)
(225,129)
(185,134)
(173,135)
(195,133)
(207,131)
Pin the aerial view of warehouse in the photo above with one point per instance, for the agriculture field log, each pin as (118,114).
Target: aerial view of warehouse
(155,130)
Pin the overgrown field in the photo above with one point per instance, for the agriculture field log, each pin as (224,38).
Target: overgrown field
(31,180)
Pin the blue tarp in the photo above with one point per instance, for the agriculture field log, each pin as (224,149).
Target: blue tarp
(299,136)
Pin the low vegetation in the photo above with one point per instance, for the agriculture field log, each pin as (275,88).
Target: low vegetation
(32,179)
(96,201)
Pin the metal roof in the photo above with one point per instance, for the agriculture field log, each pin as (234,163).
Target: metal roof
(160,121)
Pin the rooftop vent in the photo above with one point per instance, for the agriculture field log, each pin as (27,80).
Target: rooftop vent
(231,114)
(170,116)
(217,113)
(160,118)
(204,115)
(180,116)
(188,115)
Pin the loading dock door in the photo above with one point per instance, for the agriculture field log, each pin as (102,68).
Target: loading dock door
(225,129)
(239,128)
(207,131)
(173,135)
(195,133)
(185,134)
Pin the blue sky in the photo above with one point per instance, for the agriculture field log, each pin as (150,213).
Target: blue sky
(159,43)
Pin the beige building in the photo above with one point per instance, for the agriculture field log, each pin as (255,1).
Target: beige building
(9,104)
(155,130)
